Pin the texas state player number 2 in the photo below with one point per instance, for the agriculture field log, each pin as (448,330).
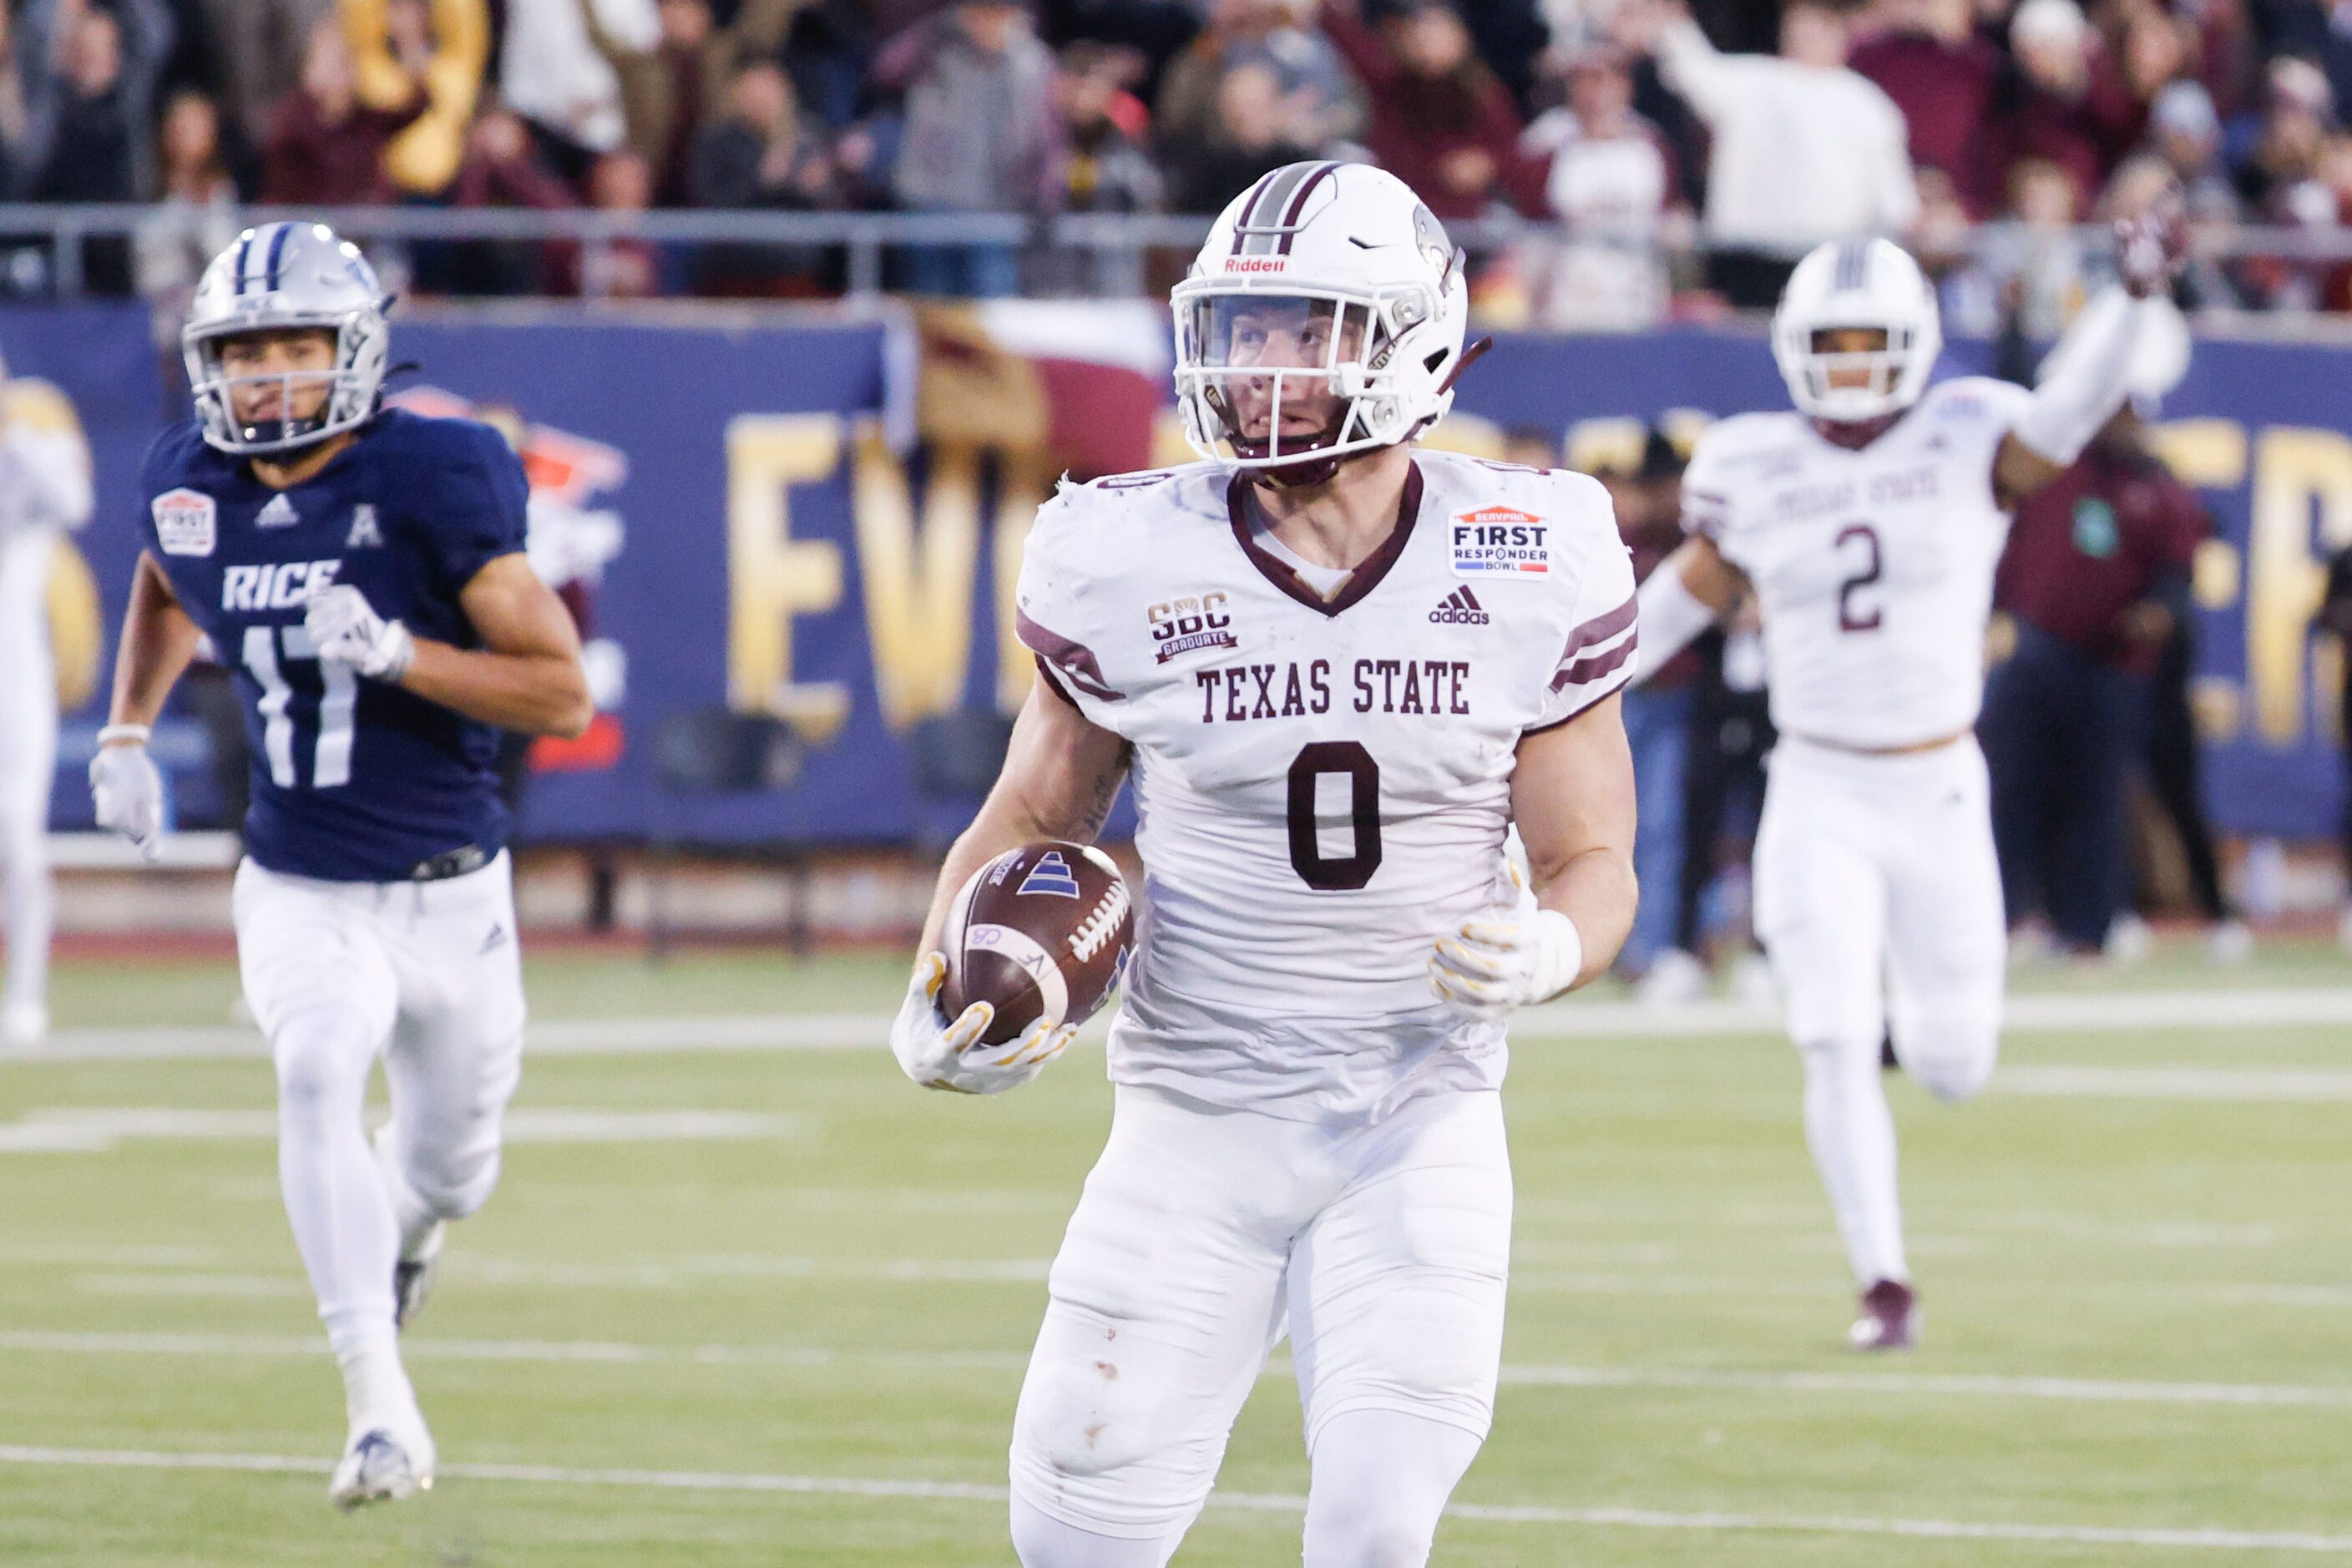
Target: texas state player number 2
(1853,618)
(1316,761)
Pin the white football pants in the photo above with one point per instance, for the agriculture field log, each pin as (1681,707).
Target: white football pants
(428,975)
(28,757)
(1877,892)
(1386,1249)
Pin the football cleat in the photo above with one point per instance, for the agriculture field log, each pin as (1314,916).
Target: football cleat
(381,1467)
(1889,1320)
(412,1279)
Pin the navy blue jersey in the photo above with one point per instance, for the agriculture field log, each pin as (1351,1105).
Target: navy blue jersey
(354,780)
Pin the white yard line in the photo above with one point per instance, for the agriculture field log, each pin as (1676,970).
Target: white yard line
(2150,1537)
(2278,1086)
(2111,1012)
(97,1129)
(2078,1390)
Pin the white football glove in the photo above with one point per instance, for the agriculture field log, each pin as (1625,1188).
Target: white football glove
(345,629)
(128,794)
(1497,964)
(939,1054)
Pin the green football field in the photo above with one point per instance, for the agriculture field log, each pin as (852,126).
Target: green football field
(747,1296)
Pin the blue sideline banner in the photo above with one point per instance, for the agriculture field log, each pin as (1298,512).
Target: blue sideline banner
(747,511)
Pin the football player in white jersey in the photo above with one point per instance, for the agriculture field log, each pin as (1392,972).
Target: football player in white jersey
(1337,671)
(1868,523)
(44,492)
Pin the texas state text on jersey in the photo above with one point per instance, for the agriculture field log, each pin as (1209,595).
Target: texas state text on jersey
(354,780)
(1323,785)
(1873,568)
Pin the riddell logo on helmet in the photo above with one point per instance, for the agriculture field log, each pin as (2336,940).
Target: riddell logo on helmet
(1258,263)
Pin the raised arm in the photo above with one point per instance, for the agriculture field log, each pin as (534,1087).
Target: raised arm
(2089,374)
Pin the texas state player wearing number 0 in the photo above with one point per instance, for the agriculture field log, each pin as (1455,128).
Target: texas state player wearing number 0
(1336,671)
(1867,523)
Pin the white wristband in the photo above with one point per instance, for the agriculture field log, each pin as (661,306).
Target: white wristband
(137,734)
(1669,618)
(1559,956)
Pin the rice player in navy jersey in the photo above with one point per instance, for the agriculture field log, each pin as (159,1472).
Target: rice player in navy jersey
(362,572)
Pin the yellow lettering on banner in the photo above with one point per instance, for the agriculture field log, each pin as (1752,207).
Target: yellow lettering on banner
(917,574)
(1025,481)
(2297,472)
(1611,443)
(2206,454)
(773,577)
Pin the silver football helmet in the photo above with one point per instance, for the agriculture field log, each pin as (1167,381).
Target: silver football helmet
(281,275)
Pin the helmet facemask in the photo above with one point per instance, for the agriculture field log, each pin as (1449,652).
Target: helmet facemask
(1832,389)
(1289,382)
(351,384)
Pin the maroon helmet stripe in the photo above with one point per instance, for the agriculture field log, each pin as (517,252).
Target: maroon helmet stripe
(1298,204)
(1249,209)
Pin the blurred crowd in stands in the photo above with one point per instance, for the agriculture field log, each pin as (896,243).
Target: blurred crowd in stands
(1669,158)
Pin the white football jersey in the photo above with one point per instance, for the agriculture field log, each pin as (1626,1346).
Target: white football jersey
(1874,569)
(1323,785)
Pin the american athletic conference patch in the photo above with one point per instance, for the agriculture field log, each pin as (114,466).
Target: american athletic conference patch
(1501,541)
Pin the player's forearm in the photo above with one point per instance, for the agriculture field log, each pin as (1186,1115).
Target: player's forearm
(2087,378)
(159,640)
(1597,891)
(533,693)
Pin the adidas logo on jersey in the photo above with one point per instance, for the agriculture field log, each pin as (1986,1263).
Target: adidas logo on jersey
(278,514)
(1459,608)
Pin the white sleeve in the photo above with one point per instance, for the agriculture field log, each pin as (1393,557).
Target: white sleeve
(1598,656)
(2086,378)
(1054,619)
(1715,83)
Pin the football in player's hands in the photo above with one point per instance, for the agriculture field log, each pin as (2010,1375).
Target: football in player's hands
(1040,932)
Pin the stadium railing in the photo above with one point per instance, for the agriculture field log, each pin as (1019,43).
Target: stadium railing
(1120,242)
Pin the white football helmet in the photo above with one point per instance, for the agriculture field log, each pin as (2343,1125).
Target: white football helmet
(1358,272)
(286,275)
(1866,283)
